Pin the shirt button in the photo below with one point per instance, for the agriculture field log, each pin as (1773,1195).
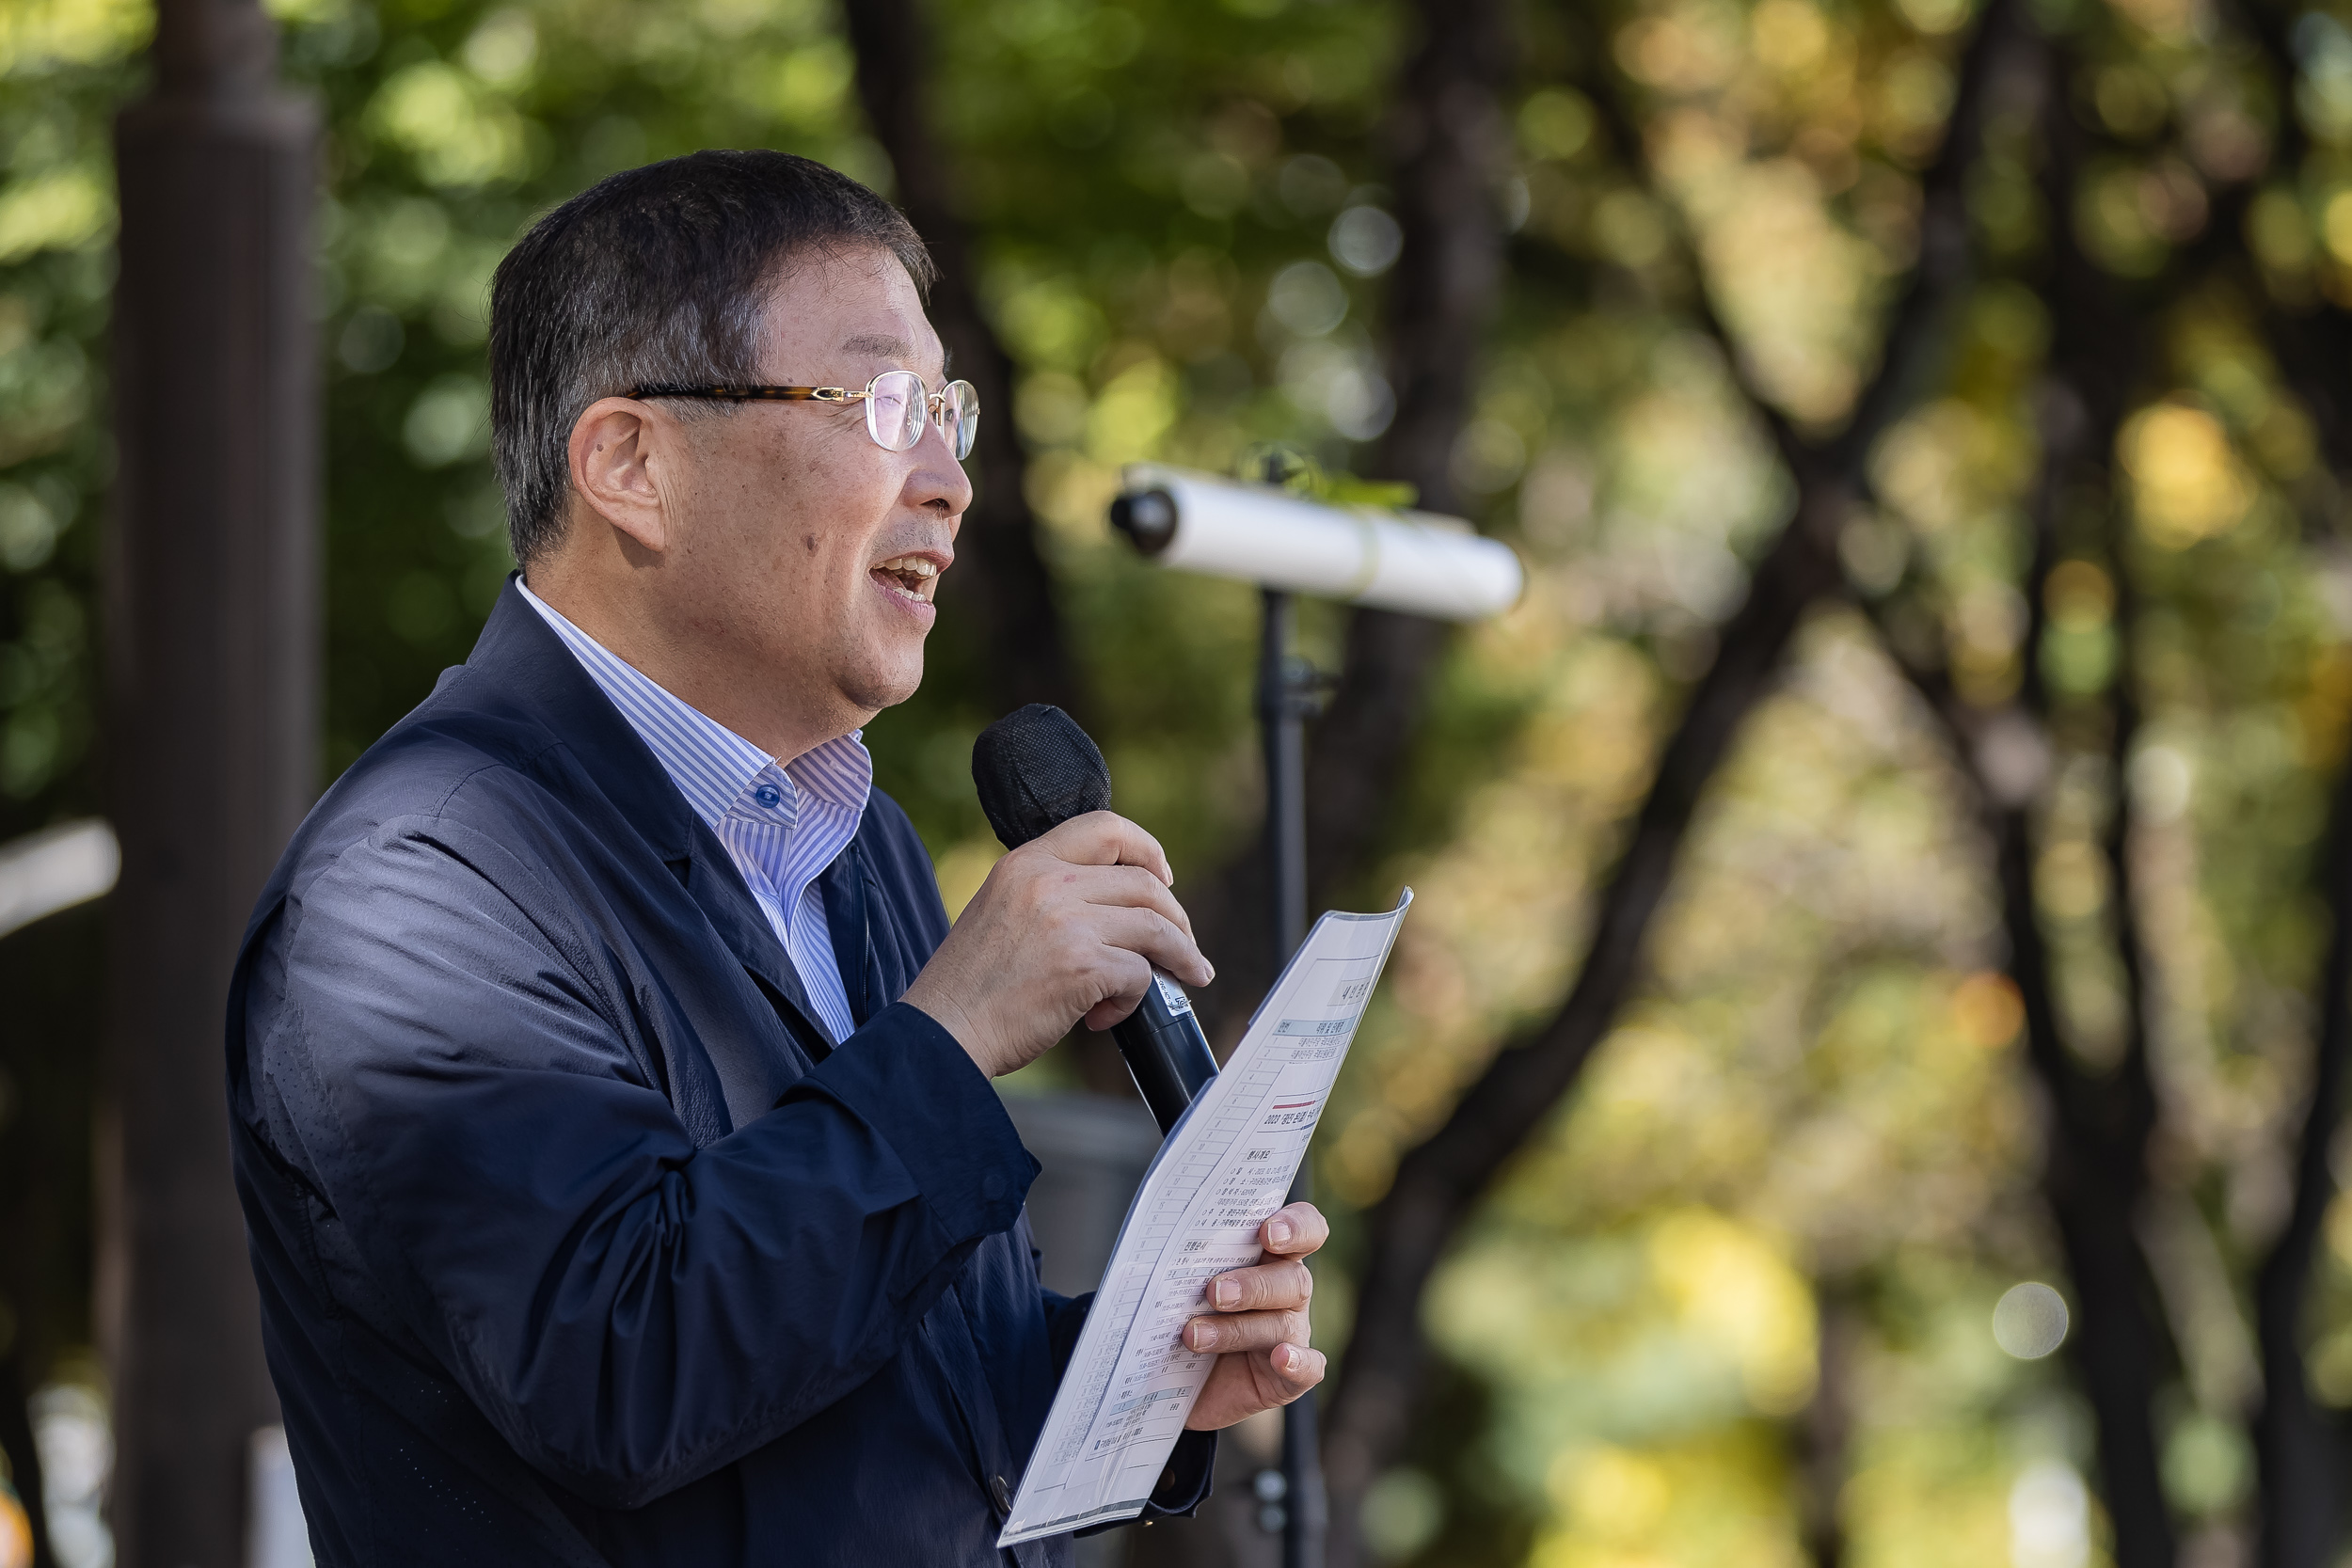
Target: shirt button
(1002,1492)
(769,796)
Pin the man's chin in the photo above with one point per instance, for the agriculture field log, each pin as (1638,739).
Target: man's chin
(880,689)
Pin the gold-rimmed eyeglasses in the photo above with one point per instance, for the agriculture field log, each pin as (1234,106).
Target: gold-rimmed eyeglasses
(899,407)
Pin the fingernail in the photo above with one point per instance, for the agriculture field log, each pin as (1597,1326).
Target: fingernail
(1227,1294)
(1293,1358)
(1277,1231)
(1198,1335)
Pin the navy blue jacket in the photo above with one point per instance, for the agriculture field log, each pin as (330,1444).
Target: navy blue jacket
(577,1245)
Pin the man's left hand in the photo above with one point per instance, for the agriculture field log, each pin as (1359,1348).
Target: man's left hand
(1258,1326)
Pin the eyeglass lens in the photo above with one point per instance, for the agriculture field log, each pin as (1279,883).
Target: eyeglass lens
(898,409)
(893,410)
(960,414)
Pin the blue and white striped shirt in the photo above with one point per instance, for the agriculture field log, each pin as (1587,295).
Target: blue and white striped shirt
(782,823)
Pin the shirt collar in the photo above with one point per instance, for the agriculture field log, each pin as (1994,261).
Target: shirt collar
(714,767)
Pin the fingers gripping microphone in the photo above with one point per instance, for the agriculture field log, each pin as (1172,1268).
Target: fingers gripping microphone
(1036,770)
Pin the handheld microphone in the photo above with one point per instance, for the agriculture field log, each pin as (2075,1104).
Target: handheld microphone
(1036,770)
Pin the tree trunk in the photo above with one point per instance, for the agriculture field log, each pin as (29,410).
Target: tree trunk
(213,627)
(2095,1174)
(2298,1452)
(2099,1123)
(2298,1447)
(1824,1433)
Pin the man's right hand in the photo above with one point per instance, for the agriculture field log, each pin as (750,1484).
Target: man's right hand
(1066,927)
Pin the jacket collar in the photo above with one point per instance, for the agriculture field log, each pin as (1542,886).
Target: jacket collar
(521,656)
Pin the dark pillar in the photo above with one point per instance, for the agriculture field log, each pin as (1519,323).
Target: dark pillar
(212,736)
(1286,699)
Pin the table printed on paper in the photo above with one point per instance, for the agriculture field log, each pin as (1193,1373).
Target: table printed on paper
(1223,1169)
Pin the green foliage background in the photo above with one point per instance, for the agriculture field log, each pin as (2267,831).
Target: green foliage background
(1814,1115)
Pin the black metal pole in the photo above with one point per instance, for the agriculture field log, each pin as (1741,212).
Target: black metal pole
(1283,694)
(213,624)
(1280,712)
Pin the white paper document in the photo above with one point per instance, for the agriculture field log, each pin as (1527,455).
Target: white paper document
(1224,1167)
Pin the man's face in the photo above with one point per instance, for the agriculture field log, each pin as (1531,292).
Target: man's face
(806,554)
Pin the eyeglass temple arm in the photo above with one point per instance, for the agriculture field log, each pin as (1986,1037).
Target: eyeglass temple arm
(932,402)
(752,394)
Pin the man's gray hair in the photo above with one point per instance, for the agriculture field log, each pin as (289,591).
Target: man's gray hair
(654,275)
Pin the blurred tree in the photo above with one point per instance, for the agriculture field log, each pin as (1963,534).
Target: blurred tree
(63,68)
(1439,1180)
(2102,1120)
(2105,1116)
(1447,146)
(1012,628)
(2299,1446)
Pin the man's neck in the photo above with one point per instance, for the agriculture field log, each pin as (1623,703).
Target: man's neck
(687,670)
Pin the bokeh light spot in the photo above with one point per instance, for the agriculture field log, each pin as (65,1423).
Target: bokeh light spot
(2030,1320)
(1366,241)
(2049,1516)
(1987,1011)
(2186,480)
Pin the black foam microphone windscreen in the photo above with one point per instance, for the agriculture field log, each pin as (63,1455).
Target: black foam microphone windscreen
(1035,769)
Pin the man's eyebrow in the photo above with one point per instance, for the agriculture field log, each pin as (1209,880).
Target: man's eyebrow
(882,345)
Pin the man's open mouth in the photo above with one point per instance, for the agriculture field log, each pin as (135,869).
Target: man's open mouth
(911,577)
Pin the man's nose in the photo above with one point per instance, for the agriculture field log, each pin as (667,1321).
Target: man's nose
(938,478)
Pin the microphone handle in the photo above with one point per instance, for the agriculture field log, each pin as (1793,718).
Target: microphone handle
(1166,1050)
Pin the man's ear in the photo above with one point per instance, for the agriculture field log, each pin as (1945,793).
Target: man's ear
(622,453)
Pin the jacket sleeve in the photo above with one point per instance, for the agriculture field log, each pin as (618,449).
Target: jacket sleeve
(1065,1318)
(1184,1484)
(629,1311)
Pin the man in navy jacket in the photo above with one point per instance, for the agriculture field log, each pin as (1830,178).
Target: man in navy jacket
(611,1095)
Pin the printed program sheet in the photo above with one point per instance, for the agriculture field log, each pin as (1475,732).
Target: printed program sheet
(1224,1167)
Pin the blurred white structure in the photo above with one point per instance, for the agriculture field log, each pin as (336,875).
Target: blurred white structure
(1414,562)
(56,869)
(75,1437)
(277,1537)
(2049,1518)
